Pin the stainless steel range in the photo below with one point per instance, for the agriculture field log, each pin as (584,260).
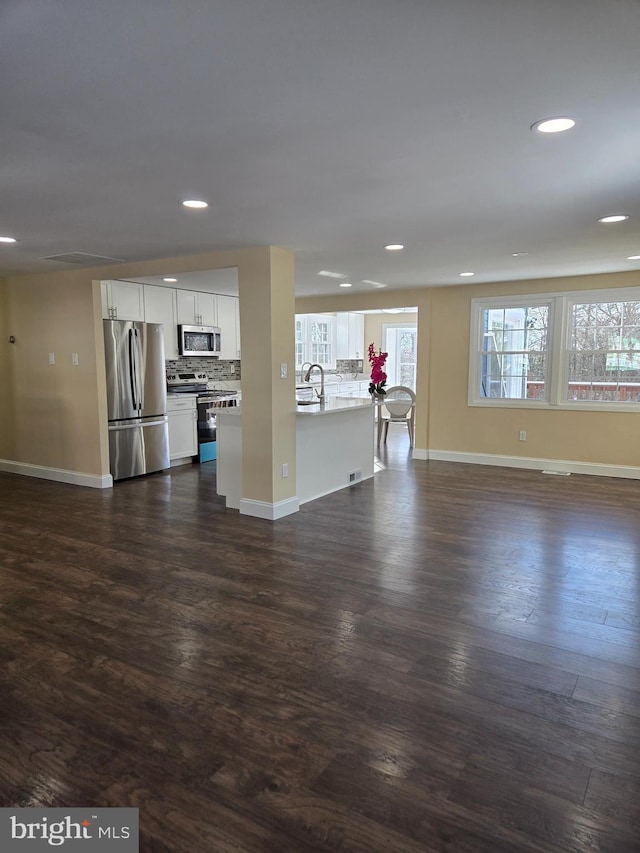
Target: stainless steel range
(186,383)
(208,402)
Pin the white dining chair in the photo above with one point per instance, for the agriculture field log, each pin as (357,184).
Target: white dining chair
(399,406)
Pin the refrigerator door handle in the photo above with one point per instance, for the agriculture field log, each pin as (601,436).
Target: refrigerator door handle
(139,382)
(132,372)
(137,425)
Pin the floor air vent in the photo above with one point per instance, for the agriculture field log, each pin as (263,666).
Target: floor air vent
(83,259)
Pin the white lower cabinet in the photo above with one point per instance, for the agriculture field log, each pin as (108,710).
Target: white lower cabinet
(346,389)
(182,415)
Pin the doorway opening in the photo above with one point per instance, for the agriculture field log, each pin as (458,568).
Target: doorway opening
(401,342)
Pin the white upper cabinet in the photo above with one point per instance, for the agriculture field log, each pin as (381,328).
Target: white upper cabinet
(349,335)
(197,309)
(356,335)
(160,307)
(122,300)
(207,304)
(229,322)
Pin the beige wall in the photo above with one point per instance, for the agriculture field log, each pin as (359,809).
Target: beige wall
(266,283)
(592,437)
(52,416)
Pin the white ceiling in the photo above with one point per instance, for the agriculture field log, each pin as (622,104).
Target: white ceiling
(224,281)
(331,128)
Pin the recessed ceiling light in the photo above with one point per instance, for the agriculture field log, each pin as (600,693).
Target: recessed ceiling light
(464,274)
(345,284)
(518,254)
(8,240)
(373,283)
(616,217)
(394,247)
(195,203)
(169,279)
(633,258)
(330,274)
(553,125)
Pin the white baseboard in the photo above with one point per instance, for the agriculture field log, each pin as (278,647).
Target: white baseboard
(60,475)
(269,511)
(182,460)
(563,466)
(333,491)
(420,453)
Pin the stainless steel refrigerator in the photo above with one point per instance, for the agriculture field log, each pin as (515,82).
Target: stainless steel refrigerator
(136,398)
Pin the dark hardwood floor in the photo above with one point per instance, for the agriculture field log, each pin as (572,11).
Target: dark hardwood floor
(444,658)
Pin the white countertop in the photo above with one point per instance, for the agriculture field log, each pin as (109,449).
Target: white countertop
(334,405)
(331,407)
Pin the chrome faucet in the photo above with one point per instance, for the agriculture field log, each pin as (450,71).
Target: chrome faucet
(307,378)
(306,364)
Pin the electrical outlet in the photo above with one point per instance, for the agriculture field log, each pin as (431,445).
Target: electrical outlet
(285,470)
(523,435)
(52,358)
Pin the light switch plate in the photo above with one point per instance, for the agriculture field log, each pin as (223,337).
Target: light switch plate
(52,358)
(283,371)
(74,358)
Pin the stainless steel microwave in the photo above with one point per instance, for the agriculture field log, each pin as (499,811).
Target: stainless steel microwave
(199,340)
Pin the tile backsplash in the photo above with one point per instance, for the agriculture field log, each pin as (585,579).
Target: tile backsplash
(218,370)
(349,365)
(215,369)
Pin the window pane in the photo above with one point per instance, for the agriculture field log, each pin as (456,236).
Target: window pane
(319,331)
(604,352)
(407,375)
(513,352)
(320,353)
(536,340)
(407,347)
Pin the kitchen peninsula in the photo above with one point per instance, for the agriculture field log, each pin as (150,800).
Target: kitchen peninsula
(334,448)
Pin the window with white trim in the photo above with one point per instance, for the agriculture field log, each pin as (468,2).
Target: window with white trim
(315,339)
(569,350)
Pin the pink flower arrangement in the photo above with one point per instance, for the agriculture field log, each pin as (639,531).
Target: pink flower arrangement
(378,376)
